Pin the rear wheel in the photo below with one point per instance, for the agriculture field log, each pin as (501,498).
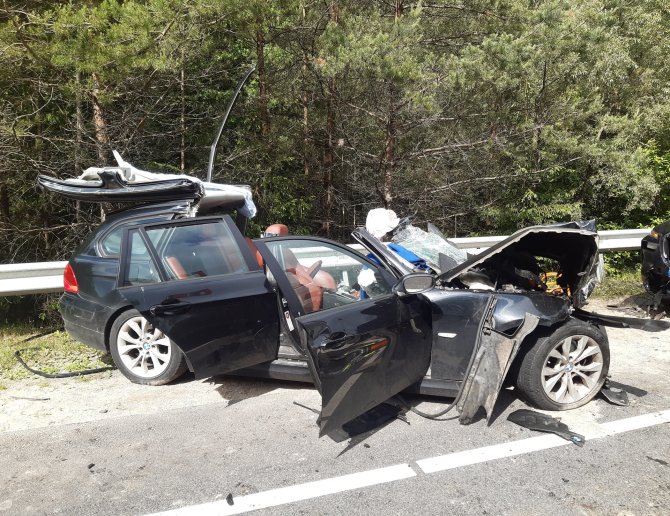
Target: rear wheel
(144,354)
(566,368)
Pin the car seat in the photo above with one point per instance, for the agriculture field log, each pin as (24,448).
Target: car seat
(307,282)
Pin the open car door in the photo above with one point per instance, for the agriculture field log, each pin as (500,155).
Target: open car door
(362,341)
(196,281)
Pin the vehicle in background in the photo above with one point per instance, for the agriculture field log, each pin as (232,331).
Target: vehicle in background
(655,249)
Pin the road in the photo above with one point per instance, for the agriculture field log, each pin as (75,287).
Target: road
(238,444)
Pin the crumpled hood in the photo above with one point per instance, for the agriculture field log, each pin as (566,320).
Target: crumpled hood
(574,245)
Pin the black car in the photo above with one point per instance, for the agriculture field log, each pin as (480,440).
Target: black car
(656,261)
(166,291)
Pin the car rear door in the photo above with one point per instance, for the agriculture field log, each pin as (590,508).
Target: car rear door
(363,342)
(196,280)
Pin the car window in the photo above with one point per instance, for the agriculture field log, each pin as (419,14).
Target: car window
(111,244)
(325,276)
(197,250)
(141,269)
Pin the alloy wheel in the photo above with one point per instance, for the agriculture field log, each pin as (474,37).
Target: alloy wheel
(144,350)
(572,369)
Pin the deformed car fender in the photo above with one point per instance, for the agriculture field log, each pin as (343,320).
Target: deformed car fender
(495,351)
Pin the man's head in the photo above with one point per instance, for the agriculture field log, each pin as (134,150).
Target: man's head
(275,230)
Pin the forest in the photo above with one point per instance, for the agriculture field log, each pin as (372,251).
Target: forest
(481,116)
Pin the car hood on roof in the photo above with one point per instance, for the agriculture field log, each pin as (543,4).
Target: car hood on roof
(125,183)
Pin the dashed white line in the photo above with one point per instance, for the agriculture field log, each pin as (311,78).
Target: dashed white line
(296,493)
(286,495)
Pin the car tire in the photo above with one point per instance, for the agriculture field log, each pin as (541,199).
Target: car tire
(566,368)
(142,353)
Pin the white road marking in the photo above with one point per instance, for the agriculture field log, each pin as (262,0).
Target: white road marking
(532,444)
(296,493)
(447,335)
(286,495)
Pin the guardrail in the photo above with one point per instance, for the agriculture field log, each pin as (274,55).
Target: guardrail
(19,279)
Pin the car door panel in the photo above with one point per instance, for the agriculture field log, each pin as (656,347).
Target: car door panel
(221,322)
(361,353)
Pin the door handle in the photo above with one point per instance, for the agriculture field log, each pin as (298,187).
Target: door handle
(170,308)
(340,339)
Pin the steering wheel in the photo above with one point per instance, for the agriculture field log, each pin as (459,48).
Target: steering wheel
(314,268)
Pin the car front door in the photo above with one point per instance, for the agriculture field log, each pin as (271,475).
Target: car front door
(363,342)
(196,281)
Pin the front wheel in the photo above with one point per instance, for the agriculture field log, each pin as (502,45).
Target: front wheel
(142,353)
(566,368)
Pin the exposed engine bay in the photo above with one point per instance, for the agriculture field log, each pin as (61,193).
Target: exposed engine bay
(559,260)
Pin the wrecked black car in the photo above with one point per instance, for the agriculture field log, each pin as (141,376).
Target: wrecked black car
(655,249)
(168,287)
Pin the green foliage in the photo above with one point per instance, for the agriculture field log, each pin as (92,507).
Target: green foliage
(52,353)
(620,284)
(482,117)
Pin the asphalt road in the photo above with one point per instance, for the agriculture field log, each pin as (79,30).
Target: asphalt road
(260,449)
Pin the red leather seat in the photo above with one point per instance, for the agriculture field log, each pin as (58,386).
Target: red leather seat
(307,285)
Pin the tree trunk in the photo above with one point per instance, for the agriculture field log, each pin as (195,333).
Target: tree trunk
(101,136)
(79,136)
(329,159)
(262,80)
(182,124)
(390,147)
(328,153)
(305,110)
(4,203)
(390,143)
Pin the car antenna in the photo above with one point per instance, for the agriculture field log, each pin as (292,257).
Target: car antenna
(212,151)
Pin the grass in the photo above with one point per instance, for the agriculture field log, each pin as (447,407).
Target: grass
(620,284)
(53,353)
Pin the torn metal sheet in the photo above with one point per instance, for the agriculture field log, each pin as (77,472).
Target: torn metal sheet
(651,325)
(126,183)
(111,186)
(543,423)
(614,395)
(493,358)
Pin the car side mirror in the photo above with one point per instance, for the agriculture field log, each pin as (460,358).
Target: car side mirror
(415,284)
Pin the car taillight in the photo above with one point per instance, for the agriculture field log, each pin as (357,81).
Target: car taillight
(70,280)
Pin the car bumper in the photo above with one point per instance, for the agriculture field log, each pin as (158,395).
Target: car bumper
(84,320)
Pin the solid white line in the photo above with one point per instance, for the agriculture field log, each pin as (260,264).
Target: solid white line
(532,444)
(296,493)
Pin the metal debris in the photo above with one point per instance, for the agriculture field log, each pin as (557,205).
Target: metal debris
(614,395)
(543,423)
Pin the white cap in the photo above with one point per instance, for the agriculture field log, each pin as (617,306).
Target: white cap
(380,221)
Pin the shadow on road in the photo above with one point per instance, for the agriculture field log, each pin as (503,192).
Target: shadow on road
(236,388)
